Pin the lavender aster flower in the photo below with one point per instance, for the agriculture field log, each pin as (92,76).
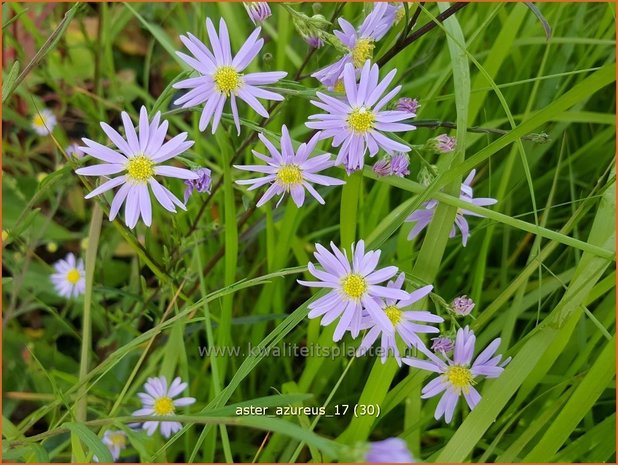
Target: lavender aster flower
(462,305)
(44,122)
(442,344)
(403,322)
(139,158)
(158,400)
(357,123)
(359,43)
(395,12)
(258,11)
(407,104)
(354,288)
(221,76)
(290,171)
(69,278)
(116,441)
(424,216)
(457,376)
(201,184)
(391,450)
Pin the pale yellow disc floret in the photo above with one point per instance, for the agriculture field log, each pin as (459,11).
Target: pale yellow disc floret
(362,51)
(227,79)
(140,169)
(394,314)
(460,377)
(361,120)
(289,175)
(163,406)
(354,285)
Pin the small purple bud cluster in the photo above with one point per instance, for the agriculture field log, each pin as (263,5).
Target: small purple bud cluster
(462,305)
(201,184)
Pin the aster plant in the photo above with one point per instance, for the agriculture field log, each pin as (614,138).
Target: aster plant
(357,123)
(355,288)
(423,216)
(359,43)
(290,171)
(457,377)
(221,76)
(44,122)
(158,400)
(115,441)
(404,322)
(138,159)
(69,278)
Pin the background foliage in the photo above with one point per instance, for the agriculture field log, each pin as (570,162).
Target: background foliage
(540,267)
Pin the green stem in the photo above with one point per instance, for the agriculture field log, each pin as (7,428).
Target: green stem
(350,194)
(81,406)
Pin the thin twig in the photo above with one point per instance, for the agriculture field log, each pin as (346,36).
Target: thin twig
(419,33)
(534,137)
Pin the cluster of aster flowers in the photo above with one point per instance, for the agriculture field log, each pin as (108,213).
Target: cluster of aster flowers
(158,400)
(362,297)
(358,298)
(138,156)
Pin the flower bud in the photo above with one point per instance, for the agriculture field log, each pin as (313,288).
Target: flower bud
(400,163)
(258,11)
(382,167)
(462,305)
(407,104)
(442,144)
(201,184)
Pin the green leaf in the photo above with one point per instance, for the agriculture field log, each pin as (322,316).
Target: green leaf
(92,441)
(9,80)
(581,402)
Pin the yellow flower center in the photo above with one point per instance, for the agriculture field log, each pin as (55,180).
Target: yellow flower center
(400,14)
(354,285)
(460,377)
(362,51)
(339,86)
(289,175)
(226,79)
(140,168)
(38,120)
(118,439)
(73,276)
(394,314)
(163,406)
(361,120)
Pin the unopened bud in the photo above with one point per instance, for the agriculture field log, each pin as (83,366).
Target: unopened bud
(462,305)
